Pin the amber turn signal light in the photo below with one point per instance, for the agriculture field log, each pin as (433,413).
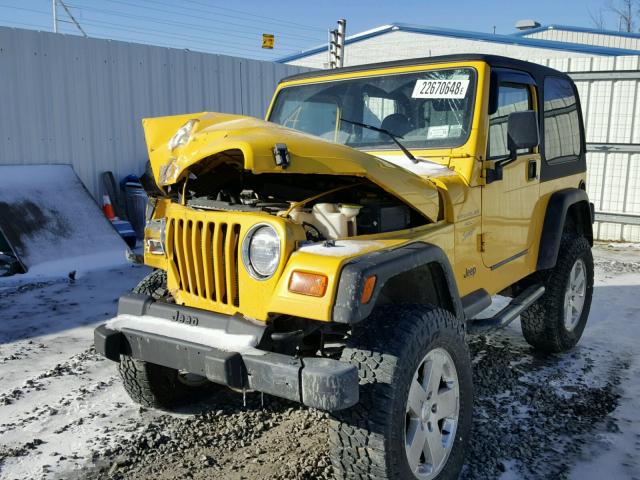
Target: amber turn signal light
(312,284)
(367,291)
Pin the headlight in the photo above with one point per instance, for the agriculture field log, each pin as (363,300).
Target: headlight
(169,172)
(155,237)
(261,251)
(150,209)
(183,135)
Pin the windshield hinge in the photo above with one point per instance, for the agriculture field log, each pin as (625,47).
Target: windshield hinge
(482,242)
(281,155)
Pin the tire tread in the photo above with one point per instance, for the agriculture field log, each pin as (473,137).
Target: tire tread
(356,435)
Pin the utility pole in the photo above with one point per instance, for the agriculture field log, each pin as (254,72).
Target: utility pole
(336,45)
(73,19)
(333,48)
(342,30)
(54,5)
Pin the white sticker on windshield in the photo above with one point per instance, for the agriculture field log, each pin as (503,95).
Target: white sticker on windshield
(455,130)
(441,131)
(440,89)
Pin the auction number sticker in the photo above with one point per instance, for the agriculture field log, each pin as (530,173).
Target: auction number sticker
(440,89)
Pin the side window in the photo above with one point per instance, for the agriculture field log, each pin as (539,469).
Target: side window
(561,121)
(512,97)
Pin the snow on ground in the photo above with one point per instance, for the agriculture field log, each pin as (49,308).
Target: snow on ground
(64,414)
(56,393)
(48,216)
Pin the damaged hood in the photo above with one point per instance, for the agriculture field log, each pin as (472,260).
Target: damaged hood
(177,142)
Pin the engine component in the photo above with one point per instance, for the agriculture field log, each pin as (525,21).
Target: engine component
(331,220)
(376,218)
(204,203)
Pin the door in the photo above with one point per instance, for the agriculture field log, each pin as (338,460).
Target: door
(508,202)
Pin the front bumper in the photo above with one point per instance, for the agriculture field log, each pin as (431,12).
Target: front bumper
(198,342)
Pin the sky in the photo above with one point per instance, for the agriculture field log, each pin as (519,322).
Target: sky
(235,28)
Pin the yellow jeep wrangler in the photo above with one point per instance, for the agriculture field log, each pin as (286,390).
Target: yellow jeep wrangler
(338,253)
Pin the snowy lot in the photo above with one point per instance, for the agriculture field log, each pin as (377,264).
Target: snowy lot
(64,414)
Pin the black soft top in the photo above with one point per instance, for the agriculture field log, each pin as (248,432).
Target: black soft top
(534,69)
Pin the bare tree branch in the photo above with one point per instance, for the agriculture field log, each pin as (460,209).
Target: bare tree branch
(624,10)
(597,18)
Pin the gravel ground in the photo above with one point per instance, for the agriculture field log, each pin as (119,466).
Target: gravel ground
(535,416)
(519,419)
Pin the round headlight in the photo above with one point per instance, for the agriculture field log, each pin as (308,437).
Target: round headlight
(261,251)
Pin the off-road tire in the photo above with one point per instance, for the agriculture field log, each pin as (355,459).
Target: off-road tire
(154,285)
(367,440)
(153,385)
(543,322)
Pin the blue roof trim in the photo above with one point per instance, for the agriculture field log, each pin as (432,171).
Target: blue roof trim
(569,28)
(486,37)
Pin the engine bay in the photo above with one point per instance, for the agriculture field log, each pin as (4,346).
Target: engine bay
(327,206)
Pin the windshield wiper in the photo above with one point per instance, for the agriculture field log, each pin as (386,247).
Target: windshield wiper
(386,132)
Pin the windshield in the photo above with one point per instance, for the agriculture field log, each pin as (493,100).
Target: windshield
(430,109)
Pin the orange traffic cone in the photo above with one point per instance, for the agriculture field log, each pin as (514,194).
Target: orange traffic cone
(107,208)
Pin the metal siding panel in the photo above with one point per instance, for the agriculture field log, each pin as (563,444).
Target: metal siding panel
(68,99)
(599,108)
(632,200)
(595,177)
(635,134)
(622,111)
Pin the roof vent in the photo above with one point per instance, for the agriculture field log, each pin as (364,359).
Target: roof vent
(526,24)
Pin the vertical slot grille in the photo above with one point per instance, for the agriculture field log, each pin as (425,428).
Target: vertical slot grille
(205,258)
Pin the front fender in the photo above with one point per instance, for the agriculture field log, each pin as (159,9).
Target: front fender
(385,265)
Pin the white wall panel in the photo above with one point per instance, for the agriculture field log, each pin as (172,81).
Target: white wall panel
(397,45)
(598,111)
(587,38)
(80,101)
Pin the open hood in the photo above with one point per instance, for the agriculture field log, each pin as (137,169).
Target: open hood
(177,142)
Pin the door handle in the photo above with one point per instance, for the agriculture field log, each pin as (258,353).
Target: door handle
(532,170)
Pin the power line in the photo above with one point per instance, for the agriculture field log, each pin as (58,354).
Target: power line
(228,48)
(192,38)
(186,15)
(73,19)
(31,25)
(176,35)
(174,23)
(262,17)
(132,38)
(152,20)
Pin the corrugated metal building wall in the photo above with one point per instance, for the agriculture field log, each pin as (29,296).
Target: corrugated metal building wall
(68,99)
(586,36)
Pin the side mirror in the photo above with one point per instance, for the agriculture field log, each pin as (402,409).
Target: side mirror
(522,131)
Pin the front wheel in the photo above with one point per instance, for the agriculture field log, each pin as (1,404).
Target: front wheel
(413,420)
(555,322)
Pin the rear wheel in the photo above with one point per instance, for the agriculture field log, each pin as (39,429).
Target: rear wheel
(556,321)
(413,419)
(153,385)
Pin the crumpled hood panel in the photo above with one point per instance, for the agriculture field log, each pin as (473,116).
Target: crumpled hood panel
(219,132)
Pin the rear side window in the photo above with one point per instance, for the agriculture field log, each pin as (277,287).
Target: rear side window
(512,97)
(561,121)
